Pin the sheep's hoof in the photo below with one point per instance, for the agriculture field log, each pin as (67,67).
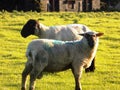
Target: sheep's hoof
(89,70)
(78,89)
(40,76)
(31,88)
(23,88)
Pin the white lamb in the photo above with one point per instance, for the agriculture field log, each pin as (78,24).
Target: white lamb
(52,56)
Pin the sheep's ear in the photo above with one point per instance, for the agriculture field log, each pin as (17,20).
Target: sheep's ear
(82,34)
(37,25)
(99,34)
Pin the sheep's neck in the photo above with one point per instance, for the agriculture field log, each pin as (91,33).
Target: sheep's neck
(42,31)
(88,52)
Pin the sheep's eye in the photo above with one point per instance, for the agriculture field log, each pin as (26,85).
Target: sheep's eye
(89,36)
(94,35)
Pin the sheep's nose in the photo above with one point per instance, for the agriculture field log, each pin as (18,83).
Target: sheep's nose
(23,35)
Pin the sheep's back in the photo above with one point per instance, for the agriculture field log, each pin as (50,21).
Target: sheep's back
(58,55)
(66,32)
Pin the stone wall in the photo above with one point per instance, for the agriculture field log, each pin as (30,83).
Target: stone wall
(117,7)
(95,4)
(44,5)
(78,5)
(73,6)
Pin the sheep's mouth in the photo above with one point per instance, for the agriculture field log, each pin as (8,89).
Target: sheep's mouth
(91,42)
(26,34)
(23,35)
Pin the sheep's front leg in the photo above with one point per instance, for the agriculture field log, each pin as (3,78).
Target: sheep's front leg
(92,67)
(26,71)
(77,84)
(77,72)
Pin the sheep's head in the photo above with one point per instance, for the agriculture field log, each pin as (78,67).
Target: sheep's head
(29,28)
(91,37)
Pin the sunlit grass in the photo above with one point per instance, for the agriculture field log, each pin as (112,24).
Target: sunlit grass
(13,48)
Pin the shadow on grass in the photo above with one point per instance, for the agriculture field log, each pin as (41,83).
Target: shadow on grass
(1,35)
(12,86)
(111,39)
(90,84)
(114,82)
(12,28)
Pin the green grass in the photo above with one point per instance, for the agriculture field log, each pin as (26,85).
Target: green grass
(13,48)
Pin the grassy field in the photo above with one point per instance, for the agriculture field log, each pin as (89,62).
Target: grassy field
(13,47)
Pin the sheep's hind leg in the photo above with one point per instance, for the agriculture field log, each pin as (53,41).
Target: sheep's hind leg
(34,75)
(37,70)
(40,76)
(26,71)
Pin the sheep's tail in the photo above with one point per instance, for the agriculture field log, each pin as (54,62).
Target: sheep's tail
(29,56)
(34,56)
(28,53)
(37,59)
